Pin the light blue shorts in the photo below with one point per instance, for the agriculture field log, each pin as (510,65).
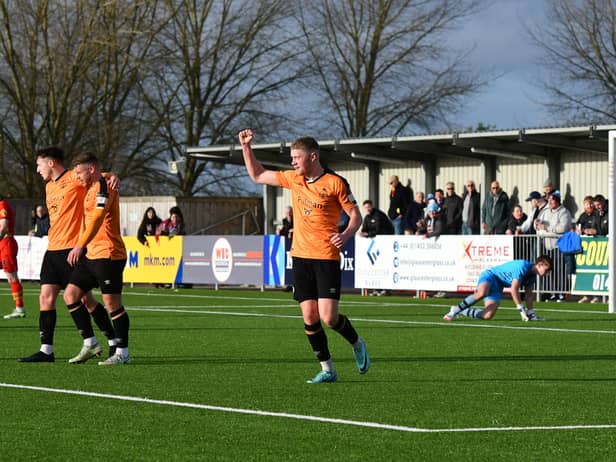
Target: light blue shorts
(495,293)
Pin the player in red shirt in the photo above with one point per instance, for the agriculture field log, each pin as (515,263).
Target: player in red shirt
(8,258)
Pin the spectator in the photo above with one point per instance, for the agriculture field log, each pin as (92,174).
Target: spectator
(514,225)
(149,224)
(452,208)
(471,209)
(435,223)
(602,208)
(548,188)
(400,198)
(375,221)
(32,218)
(588,223)
(286,229)
(553,221)
(40,225)
(172,226)
(538,203)
(414,214)
(521,247)
(439,197)
(496,210)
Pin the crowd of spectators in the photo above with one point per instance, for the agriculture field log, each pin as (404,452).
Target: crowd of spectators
(445,212)
(496,214)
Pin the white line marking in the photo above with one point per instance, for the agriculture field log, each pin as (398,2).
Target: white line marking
(356,423)
(402,303)
(380,321)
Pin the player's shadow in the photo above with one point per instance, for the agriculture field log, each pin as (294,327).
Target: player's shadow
(496,358)
(166,360)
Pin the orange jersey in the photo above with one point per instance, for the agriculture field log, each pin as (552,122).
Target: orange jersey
(316,207)
(6,213)
(107,241)
(64,199)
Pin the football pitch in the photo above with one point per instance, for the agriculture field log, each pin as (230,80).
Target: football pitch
(221,375)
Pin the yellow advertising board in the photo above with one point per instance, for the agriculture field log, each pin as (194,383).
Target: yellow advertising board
(161,262)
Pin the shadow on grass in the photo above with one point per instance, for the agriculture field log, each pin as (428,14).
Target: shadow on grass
(498,358)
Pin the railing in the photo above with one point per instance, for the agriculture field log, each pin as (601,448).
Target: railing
(245,216)
(558,281)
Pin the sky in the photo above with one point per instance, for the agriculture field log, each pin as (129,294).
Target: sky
(503,47)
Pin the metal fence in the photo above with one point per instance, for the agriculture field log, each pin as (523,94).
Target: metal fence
(556,283)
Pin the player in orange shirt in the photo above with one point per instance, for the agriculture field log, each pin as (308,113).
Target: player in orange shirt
(8,258)
(103,264)
(319,195)
(64,200)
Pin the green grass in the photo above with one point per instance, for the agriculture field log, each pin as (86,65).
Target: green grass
(202,347)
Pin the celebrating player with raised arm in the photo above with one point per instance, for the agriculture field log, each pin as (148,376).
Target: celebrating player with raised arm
(318,196)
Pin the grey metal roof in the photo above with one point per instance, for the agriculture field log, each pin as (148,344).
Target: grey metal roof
(521,144)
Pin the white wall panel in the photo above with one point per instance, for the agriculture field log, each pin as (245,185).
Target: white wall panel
(583,174)
(459,171)
(518,178)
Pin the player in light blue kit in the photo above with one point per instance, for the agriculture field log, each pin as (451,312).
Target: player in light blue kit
(516,274)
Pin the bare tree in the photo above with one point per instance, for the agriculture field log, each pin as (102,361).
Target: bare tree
(382,65)
(70,74)
(226,65)
(579,44)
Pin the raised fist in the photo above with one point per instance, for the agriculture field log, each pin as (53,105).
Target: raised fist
(246,136)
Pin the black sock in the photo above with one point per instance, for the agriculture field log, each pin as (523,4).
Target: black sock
(121,324)
(103,322)
(346,329)
(318,341)
(47,326)
(81,317)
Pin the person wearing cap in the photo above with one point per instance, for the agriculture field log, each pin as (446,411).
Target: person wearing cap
(554,221)
(471,209)
(399,200)
(496,210)
(538,203)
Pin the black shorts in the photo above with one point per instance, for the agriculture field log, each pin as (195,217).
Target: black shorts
(55,269)
(314,279)
(104,273)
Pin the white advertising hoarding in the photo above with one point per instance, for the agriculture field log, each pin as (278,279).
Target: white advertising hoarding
(447,263)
